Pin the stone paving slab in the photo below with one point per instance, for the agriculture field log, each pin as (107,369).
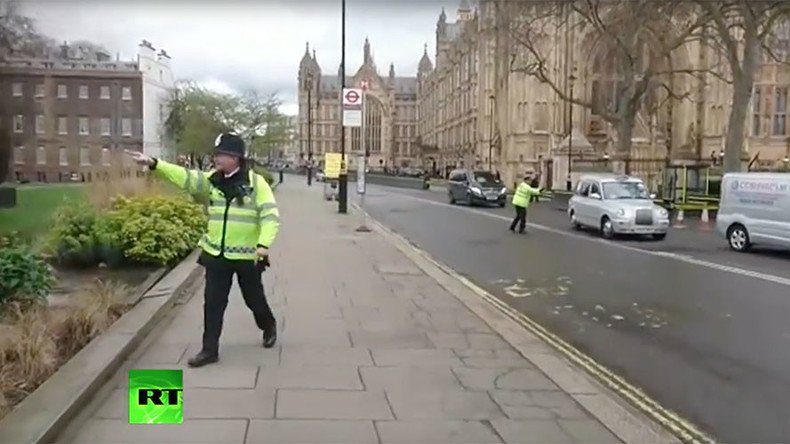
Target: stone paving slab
(371,350)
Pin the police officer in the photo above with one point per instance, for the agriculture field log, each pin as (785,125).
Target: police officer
(243,223)
(521,200)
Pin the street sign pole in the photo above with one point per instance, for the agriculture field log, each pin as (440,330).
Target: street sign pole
(361,167)
(342,185)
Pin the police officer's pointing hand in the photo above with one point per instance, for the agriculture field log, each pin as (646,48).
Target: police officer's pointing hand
(140,158)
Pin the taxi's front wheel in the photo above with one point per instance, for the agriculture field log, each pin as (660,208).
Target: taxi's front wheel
(607,228)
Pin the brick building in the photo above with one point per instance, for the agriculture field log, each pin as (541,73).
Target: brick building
(74,114)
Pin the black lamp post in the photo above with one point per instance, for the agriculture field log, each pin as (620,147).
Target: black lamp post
(342,182)
(492,98)
(309,129)
(569,181)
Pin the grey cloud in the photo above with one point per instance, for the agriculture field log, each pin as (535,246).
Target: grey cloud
(247,44)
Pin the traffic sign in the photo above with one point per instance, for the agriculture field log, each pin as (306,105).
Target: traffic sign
(352,118)
(352,97)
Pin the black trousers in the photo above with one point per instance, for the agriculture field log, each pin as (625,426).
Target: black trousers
(520,219)
(219,278)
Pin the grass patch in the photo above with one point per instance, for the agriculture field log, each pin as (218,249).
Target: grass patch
(32,215)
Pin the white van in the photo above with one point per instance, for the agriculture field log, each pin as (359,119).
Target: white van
(755,209)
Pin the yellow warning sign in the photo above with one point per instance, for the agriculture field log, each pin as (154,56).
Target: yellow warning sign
(333,165)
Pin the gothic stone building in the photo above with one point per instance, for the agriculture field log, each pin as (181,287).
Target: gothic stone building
(390,114)
(475,110)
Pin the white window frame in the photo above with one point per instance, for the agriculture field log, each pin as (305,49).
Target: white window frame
(126,130)
(63,156)
(102,91)
(64,129)
(19,155)
(106,130)
(63,91)
(83,161)
(17,90)
(41,155)
(40,124)
(84,89)
(126,93)
(106,157)
(19,123)
(41,90)
(80,121)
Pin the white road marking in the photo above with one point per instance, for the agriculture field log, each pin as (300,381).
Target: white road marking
(681,258)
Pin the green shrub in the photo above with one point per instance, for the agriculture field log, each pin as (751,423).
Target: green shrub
(24,276)
(152,229)
(72,239)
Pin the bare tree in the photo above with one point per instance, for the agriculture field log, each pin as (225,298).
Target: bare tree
(742,30)
(18,34)
(636,38)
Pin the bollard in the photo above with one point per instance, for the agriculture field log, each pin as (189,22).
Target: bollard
(281,175)
(679,220)
(705,221)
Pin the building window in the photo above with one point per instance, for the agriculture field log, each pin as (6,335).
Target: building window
(18,123)
(83,91)
(63,156)
(16,89)
(41,156)
(105,92)
(105,126)
(41,91)
(127,93)
(780,112)
(105,157)
(126,127)
(84,128)
(19,154)
(40,124)
(62,92)
(85,156)
(756,105)
(63,127)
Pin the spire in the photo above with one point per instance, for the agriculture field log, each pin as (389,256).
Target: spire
(442,16)
(392,70)
(367,57)
(425,64)
(306,60)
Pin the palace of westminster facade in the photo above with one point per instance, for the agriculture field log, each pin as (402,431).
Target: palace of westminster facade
(471,109)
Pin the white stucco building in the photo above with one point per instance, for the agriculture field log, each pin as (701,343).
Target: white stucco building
(158,85)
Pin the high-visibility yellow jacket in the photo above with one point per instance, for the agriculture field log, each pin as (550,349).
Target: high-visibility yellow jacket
(523,195)
(234,231)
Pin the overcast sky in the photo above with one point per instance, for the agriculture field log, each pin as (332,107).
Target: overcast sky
(237,45)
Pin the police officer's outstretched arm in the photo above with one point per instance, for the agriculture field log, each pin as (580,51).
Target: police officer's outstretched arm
(269,215)
(192,181)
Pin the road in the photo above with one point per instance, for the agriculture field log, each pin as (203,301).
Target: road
(703,330)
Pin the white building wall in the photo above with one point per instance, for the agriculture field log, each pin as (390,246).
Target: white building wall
(158,85)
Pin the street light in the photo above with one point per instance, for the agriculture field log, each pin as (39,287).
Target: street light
(342,180)
(491,135)
(309,79)
(569,182)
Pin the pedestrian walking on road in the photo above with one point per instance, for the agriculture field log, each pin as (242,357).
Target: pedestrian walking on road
(243,224)
(521,201)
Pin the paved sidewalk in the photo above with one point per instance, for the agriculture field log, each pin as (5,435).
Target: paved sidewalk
(371,350)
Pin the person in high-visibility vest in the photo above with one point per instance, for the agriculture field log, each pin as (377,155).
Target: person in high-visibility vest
(521,199)
(243,224)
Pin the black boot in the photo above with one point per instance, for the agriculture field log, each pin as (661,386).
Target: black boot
(202,358)
(270,336)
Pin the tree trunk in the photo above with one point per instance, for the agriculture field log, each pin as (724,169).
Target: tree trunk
(741,96)
(625,134)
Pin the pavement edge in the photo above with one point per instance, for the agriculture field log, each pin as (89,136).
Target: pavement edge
(42,416)
(606,404)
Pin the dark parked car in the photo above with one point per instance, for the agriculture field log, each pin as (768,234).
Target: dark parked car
(476,188)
